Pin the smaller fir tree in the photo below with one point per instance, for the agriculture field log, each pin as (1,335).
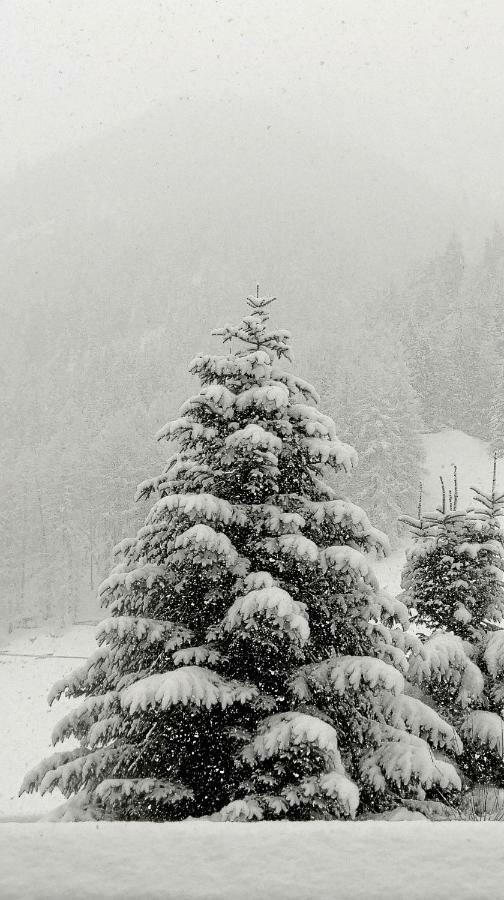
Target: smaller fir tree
(453,578)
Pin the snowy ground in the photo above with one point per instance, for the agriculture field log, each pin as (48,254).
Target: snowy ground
(25,679)
(275,861)
(27,721)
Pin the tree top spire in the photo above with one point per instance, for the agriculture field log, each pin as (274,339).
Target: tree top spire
(252,331)
(258,303)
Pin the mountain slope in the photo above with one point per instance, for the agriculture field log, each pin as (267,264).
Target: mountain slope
(193,202)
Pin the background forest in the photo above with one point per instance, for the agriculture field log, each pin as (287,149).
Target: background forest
(119,258)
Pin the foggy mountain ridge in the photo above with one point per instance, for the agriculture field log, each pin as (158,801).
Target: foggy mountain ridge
(133,213)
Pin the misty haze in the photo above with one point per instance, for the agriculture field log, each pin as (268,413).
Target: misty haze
(252,474)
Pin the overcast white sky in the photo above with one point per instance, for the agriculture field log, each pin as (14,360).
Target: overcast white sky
(421,79)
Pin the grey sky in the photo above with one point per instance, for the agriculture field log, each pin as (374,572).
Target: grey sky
(420,81)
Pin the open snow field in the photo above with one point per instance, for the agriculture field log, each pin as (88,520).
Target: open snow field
(262,861)
(210,860)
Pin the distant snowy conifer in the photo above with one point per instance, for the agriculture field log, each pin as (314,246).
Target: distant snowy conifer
(378,412)
(250,667)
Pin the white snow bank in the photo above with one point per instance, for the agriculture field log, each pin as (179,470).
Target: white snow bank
(78,640)
(443,449)
(224,861)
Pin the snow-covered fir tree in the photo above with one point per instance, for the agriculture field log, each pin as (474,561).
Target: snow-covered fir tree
(250,667)
(454,579)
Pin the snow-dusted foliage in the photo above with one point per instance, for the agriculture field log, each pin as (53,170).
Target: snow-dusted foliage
(249,665)
(454,580)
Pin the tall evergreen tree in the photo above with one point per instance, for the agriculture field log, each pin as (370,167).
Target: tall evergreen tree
(250,666)
(454,580)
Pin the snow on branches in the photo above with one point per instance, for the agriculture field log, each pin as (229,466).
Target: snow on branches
(188,684)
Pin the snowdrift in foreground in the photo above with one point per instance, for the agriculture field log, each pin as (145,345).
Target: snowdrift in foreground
(299,861)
